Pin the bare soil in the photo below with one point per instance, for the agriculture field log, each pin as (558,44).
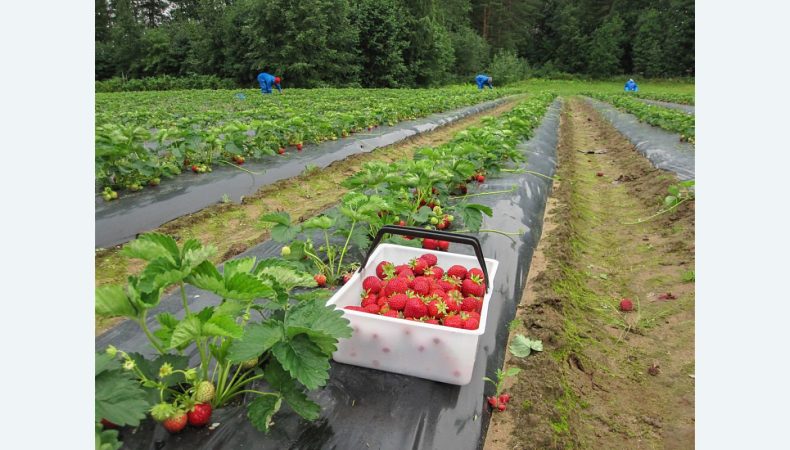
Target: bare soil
(233,228)
(606,379)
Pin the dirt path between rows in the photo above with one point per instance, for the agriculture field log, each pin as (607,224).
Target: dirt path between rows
(233,228)
(606,379)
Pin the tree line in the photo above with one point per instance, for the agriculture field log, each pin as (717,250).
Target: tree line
(392,43)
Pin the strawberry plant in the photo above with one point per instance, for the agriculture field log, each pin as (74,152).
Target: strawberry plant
(288,344)
(499,400)
(666,118)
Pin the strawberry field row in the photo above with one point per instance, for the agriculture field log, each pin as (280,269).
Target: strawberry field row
(290,343)
(672,97)
(142,137)
(668,119)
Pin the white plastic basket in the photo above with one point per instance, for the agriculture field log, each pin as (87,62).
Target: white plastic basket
(434,352)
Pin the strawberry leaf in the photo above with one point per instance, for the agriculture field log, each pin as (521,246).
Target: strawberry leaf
(151,246)
(472,214)
(322,323)
(255,340)
(186,331)
(283,230)
(111,301)
(286,277)
(119,398)
(520,346)
(107,439)
(304,360)
(222,325)
(261,410)
(293,394)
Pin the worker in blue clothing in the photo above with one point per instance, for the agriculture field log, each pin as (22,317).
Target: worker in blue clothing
(266,81)
(484,80)
(630,86)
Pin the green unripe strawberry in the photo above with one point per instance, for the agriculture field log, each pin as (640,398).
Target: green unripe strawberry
(434,220)
(114,195)
(204,392)
(249,364)
(285,251)
(107,197)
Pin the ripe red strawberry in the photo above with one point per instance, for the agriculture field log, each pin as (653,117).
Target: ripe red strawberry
(396,285)
(443,245)
(109,425)
(430,259)
(421,285)
(504,398)
(281,150)
(392,313)
(437,309)
(176,422)
(473,287)
(382,301)
(438,294)
(373,308)
(320,279)
(438,272)
(453,305)
(385,269)
(299,147)
(371,284)
(406,273)
(432,321)
(493,401)
(200,414)
(471,323)
(476,272)
(415,308)
(430,244)
(626,305)
(398,301)
(502,407)
(195,168)
(481,178)
(402,267)
(418,266)
(346,276)
(402,223)
(354,308)
(457,271)
(471,304)
(449,283)
(442,225)
(454,321)
(369,299)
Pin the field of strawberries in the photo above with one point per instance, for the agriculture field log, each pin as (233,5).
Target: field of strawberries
(144,137)
(258,333)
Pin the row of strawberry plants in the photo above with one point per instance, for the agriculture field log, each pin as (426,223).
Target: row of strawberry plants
(266,327)
(668,119)
(160,140)
(671,97)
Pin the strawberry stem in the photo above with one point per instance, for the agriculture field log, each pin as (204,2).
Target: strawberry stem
(512,189)
(657,214)
(240,168)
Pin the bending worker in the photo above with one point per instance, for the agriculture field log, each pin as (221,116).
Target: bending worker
(484,80)
(266,81)
(630,85)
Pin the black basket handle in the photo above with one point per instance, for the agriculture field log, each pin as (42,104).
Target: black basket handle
(431,234)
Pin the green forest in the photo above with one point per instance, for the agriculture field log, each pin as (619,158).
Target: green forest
(391,43)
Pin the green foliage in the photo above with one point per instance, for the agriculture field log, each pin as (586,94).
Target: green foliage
(666,118)
(522,346)
(606,48)
(107,439)
(119,398)
(507,68)
(301,334)
(501,376)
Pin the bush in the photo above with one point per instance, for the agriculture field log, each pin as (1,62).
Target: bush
(165,83)
(506,68)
